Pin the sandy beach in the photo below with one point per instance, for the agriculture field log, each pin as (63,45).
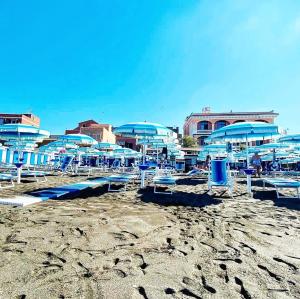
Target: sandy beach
(142,245)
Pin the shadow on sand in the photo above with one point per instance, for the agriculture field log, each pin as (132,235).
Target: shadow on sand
(178,198)
(289,203)
(191,181)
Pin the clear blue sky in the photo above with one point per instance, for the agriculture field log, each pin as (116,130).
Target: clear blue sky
(117,61)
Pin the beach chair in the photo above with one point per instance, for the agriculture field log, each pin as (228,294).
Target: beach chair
(219,176)
(164,180)
(283,183)
(122,179)
(7,178)
(66,165)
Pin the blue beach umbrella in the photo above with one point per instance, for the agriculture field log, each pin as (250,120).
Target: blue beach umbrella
(143,131)
(294,139)
(106,145)
(246,131)
(272,146)
(20,134)
(79,139)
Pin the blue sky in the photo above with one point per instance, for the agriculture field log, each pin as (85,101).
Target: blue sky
(117,61)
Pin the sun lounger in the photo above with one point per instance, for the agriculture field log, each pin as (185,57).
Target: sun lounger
(122,179)
(57,192)
(164,181)
(7,178)
(66,165)
(282,183)
(36,174)
(20,201)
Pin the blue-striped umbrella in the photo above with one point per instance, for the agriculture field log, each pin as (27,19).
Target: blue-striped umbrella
(142,129)
(246,131)
(272,146)
(19,134)
(106,145)
(79,139)
(295,139)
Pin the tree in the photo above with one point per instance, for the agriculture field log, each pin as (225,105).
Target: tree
(189,141)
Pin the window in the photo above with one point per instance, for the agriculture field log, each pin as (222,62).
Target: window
(220,124)
(204,125)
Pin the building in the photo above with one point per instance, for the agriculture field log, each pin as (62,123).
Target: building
(128,142)
(100,132)
(177,134)
(200,125)
(24,118)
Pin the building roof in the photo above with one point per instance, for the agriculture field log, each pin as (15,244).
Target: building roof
(231,113)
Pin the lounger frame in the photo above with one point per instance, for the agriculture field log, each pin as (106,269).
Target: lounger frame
(284,184)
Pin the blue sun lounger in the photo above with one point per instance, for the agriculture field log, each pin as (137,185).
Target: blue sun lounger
(52,193)
(282,183)
(164,181)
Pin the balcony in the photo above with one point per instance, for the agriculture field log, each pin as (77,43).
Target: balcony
(203,132)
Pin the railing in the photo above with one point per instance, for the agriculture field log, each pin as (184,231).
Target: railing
(204,132)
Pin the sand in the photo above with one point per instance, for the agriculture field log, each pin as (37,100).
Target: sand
(140,245)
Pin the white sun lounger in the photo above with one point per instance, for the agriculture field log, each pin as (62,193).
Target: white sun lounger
(7,178)
(20,201)
(36,174)
(281,183)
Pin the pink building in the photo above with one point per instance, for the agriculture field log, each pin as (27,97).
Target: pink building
(200,125)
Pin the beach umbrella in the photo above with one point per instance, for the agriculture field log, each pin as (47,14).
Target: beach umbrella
(106,145)
(272,146)
(143,131)
(295,139)
(19,134)
(246,131)
(79,139)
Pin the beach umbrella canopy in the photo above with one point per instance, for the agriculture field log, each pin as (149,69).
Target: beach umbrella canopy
(79,139)
(290,139)
(22,132)
(21,145)
(19,134)
(106,145)
(142,129)
(290,160)
(272,146)
(279,155)
(246,131)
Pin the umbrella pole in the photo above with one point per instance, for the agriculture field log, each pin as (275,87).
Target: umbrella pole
(249,191)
